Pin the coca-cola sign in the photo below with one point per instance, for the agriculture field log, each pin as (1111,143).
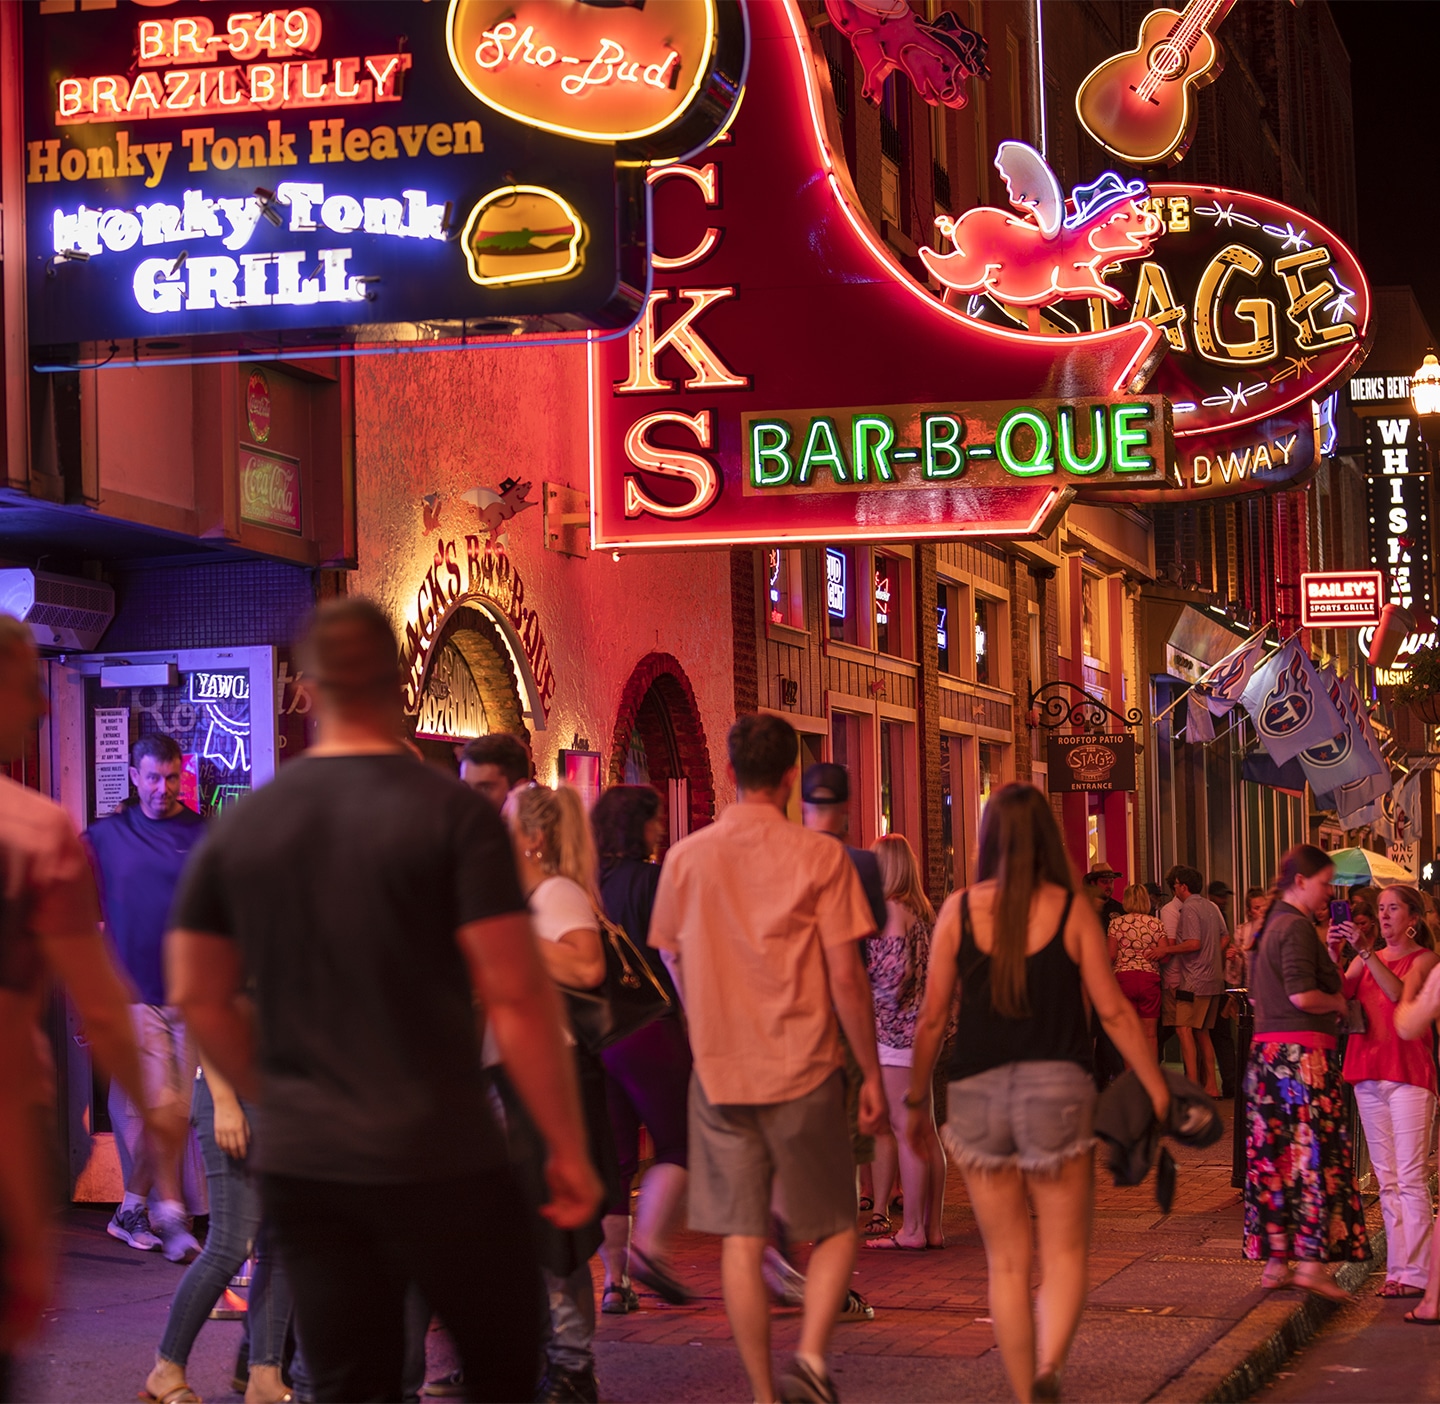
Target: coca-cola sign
(270,490)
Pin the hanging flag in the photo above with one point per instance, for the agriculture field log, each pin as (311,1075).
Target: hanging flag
(1289,705)
(1358,803)
(1347,758)
(1223,684)
(1199,724)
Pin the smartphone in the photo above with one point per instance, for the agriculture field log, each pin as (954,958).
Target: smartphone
(1339,912)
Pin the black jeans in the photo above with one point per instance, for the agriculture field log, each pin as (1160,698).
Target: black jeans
(352,1251)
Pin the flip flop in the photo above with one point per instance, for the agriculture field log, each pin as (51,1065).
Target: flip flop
(1414,1320)
(891,1243)
(877,1226)
(181,1394)
(1279,1284)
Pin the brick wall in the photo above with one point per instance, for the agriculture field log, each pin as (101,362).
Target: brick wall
(745,616)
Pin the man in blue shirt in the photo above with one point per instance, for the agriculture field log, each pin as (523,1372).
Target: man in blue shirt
(138,854)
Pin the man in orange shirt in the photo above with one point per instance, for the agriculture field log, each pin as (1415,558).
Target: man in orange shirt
(761,921)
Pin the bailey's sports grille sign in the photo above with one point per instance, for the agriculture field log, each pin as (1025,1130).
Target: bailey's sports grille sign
(321,172)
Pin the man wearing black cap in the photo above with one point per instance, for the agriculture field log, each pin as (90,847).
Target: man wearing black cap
(825,796)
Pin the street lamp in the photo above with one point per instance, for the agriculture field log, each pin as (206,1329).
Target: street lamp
(1425,386)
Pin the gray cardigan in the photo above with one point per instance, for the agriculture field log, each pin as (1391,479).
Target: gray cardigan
(1289,958)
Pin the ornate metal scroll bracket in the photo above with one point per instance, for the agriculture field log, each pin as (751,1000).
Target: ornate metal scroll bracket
(1065,703)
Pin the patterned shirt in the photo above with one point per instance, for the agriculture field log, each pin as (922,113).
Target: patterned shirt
(897,967)
(1135,934)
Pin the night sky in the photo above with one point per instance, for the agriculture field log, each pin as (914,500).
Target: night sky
(1395,84)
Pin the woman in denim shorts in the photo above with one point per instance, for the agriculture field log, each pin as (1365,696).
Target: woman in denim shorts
(1025,954)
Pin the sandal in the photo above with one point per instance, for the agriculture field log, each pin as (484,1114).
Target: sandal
(892,1243)
(180,1394)
(867,1205)
(877,1226)
(1416,1320)
(1325,1287)
(1286,1279)
(619,1300)
(1400,1289)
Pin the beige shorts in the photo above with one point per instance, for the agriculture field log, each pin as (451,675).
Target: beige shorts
(167,1056)
(739,1154)
(1198,1012)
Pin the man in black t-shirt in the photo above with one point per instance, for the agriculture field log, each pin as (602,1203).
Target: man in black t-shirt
(360,898)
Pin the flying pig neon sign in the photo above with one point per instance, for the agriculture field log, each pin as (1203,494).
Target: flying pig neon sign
(1045,253)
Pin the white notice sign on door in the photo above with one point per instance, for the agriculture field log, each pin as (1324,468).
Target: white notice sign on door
(112,758)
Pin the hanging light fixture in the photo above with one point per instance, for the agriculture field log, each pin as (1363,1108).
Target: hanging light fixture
(1425,386)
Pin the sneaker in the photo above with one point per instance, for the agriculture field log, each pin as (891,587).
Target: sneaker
(177,1243)
(800,1384)
(133,1227)
(451,1386)
(786,1285)
(568,1387)
(855,1308)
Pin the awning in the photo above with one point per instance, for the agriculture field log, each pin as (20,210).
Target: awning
(1199,640)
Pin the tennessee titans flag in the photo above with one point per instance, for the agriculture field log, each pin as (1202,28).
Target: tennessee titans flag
(1222,685)
(1290,706)
(1346,758)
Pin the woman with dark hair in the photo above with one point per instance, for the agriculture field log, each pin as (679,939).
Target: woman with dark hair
(1300,1195)
(1395,1085)
(1025,954)
(647,1075)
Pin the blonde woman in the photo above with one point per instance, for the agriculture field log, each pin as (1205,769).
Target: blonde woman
(558,872)
(897,960)
(1132,938)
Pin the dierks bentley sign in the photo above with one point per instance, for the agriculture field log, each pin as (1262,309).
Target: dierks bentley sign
(1099,762)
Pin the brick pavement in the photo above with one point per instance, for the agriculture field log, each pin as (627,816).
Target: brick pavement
(1164,1290)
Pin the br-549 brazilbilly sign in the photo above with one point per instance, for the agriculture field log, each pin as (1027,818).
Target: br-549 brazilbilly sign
(200,171)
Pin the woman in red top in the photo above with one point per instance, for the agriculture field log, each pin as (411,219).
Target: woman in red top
(1395,1086)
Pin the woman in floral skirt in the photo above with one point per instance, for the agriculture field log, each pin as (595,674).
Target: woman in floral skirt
(1300,1195)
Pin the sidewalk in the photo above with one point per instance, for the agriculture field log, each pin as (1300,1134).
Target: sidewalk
(1174,1313)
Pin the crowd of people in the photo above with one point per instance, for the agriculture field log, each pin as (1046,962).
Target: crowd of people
(393,1007)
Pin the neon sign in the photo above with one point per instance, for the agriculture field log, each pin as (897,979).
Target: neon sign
(1335,598)
(1047,254)
(303,174)
(836,596)
(1138,104)
(606,73)
(744,323)
(1397,480)
(982,445)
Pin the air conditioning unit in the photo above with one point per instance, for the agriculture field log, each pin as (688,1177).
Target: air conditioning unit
(64,614)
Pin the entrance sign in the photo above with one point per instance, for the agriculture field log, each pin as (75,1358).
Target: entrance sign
(1083,762)
(337,173)
(1341,598)
(802,317)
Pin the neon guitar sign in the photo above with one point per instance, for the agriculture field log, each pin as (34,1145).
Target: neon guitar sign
(1140,105)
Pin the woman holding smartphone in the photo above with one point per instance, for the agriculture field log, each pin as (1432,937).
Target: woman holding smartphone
(1395,1083)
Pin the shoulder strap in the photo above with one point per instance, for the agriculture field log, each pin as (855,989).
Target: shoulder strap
(1065,915)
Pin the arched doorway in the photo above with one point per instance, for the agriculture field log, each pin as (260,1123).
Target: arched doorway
(469,688)
(660,741)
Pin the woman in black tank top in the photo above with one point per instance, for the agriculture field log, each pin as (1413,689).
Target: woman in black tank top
(1025,955)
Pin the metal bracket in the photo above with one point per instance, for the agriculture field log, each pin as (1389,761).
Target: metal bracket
(567,515)
(1080,710)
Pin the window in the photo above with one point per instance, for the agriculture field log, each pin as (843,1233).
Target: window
(784,593)
(845,750)
(840,593)
(991,771)
(833,45)
(894,791)
(892,585)
(1089,615)
(890,146)
(944,622)
(985,669)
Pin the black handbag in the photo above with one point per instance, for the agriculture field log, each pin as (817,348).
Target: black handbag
(628,999)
